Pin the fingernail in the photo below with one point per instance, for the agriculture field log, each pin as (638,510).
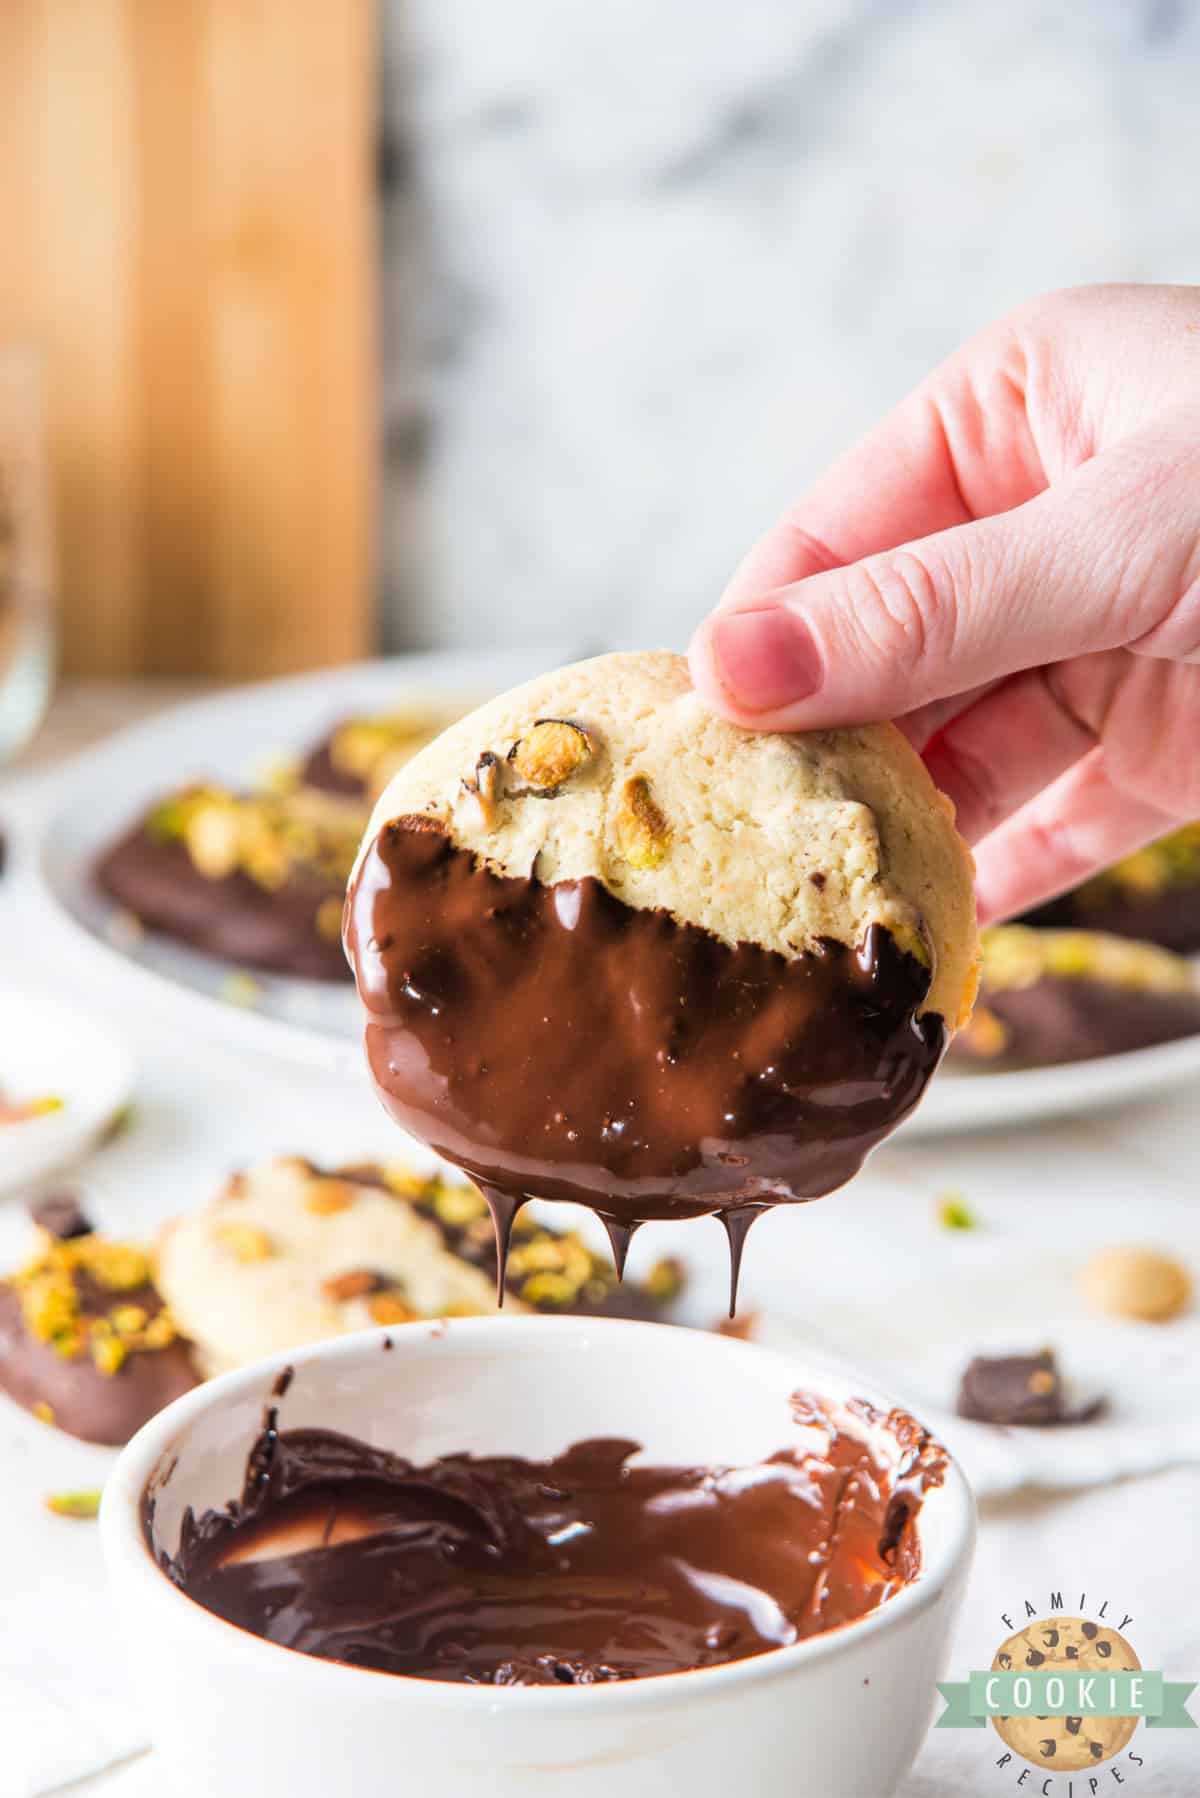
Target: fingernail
(765,660)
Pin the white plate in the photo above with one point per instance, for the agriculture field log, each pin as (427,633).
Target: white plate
(229,737)
(47,1049)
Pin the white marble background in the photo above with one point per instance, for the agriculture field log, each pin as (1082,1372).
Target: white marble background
(649,263)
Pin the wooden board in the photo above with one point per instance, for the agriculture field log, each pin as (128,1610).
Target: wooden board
(186,199)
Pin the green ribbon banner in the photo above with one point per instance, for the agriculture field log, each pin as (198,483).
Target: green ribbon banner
(970,1702)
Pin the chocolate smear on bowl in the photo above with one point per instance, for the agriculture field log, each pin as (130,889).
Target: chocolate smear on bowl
(579,1570)
(557,1043)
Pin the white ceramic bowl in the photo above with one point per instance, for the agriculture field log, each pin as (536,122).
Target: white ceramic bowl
(841,1714)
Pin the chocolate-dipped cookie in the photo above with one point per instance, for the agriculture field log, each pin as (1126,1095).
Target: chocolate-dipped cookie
(289,1253)
(86,1343)
(360,754)
(1153,894)
(1052,996)
(616,951)
(256,879)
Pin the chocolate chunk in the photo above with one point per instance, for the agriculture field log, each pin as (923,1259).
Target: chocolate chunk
(1020,1389)
(61,1215)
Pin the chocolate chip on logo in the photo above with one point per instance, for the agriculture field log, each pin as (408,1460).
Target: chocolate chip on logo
(1090,1631)
(1073,1724)
(1048,1746)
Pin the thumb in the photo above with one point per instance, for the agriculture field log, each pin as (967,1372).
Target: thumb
(1099,561)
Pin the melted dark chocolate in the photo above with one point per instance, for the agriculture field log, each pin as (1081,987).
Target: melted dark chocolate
(502,1571)
(559,1044)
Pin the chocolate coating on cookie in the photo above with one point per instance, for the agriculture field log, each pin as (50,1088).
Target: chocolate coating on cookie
(233,916)
(85,1342)
(558,1043)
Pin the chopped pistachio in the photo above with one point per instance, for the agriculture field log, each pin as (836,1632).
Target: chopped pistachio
(245,1242)
(129,1320)
(329,918)
(642,832)
(389,1308)
(355,1283)
(240,988)
(548,1289)
(83,1505)
(665,1280)
(325,1197)
(120,1266)
(549,753)
(109,1353)
(953,1212)
(458,1205)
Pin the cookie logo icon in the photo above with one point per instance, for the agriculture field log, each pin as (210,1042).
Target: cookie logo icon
(1065,1645)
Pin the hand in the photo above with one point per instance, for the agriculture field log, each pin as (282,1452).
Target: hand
(1009,565)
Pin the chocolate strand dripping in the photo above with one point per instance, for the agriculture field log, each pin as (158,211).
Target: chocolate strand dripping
(620,1235)
(737,1228)
(503,1207)
(555,1043)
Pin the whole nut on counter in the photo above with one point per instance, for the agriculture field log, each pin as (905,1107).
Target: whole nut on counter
(1130,1281)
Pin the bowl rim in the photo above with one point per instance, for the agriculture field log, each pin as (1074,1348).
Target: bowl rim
(133,1573)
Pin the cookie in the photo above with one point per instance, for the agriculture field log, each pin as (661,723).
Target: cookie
(86,1343)
(615,950)
(1072,1645)
(1053,996)
(257,879)
(360,754)
(1130,1281)
(1153,894)
(1022,1390)
(289,1254)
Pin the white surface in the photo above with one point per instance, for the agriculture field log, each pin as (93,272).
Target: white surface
(1055,1191)
(786,1725)
(53,1050)
(683,253)
(230,737)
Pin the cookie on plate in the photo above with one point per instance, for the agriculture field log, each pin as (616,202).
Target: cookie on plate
(257,879)
(360,754)
(1053,996)
(289,1254)
(1153,894)
(86,1343)
(614,949)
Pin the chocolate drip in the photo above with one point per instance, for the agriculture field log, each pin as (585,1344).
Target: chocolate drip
(503,1207)
(737,1228)
(556,1043)
(503,1571)
(620,1235)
